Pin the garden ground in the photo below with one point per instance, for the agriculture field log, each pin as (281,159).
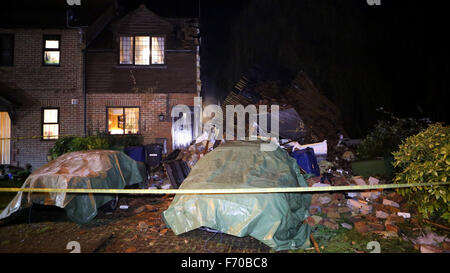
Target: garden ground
(140,228)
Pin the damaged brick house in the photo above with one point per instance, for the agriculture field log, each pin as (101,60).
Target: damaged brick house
(118,72)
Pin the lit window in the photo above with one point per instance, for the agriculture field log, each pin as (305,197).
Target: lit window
(157,50)
(51,49)
(141,50)
(123,120)
(126,50)
(50,124)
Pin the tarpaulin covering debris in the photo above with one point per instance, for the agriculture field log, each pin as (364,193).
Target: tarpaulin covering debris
(274,219)
(95,169)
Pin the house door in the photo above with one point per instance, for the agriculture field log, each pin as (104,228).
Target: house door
(5,134)
(182,135)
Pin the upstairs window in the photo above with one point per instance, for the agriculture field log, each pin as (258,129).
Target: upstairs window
(50,123)
(141,50)
(6,49)
(126,50)
(52,49)
(123,120)
(157,50)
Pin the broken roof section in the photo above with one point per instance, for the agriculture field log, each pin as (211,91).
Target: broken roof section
(306,115)
(290,124)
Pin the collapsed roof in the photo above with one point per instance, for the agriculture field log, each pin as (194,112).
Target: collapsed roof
(316,117)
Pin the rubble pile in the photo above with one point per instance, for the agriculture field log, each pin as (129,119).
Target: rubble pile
(195,151)
(321,118)
(372,211)
(316,118)
(341,154)
(368,212)
(429,243)
(159,180)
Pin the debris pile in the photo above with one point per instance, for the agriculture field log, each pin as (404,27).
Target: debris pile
(159,180)
(432,243)
(195,151)
(373,211)
(319,118)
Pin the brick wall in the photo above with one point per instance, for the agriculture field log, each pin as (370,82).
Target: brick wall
(151,106)
(44,87)
(107,83)
(104,75)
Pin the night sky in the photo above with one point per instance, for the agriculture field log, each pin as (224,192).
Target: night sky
(361,57)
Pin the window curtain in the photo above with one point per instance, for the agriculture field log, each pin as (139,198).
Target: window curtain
(51,128)
(157,50)
(142,53)
(5,132)
(131,120)
(126,50)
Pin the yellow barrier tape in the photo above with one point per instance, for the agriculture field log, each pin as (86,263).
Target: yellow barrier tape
(226,191)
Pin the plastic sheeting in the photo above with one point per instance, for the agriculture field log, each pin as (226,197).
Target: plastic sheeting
(274,219)
(96,169)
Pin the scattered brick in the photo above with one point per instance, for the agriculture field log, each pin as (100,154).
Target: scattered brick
(361,227)
(391,227)
(388,202)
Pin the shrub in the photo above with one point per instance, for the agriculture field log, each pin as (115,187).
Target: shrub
(423,158)
(102,141)
(61,146)
(387,134)
(73,144)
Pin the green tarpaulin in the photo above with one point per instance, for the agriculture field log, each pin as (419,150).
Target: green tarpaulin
(276,219)
(96,169)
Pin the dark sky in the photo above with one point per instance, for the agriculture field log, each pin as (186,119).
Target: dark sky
(361,57)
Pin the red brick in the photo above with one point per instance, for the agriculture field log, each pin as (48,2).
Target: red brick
(361,227)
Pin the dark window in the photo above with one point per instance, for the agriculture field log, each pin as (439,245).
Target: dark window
(52,49)
(50,123)
(141,50)
(6,49)
(123,120)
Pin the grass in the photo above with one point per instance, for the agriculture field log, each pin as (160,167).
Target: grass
(351,241)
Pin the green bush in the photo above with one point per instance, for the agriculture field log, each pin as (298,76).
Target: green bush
(88,143)
(423,158)
(61,146)
(387,134)
(102,141)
